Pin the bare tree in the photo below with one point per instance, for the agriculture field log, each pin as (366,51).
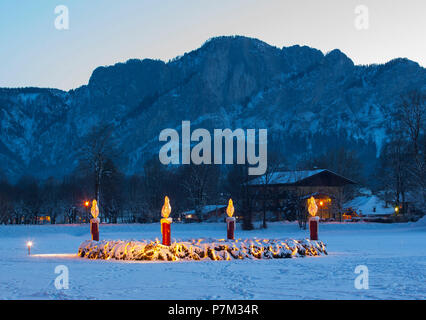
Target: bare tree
(112,192)
(97,148)
(301,210)
(28,192)
(6,201)
(393,171)
(155,182)
(412,115)
(238,187)
(199,182)
(49,196)
(135,203)
(6,209)
(266,193)
(412,111)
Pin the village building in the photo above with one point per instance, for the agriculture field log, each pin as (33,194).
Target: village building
(275,190)
(209,213)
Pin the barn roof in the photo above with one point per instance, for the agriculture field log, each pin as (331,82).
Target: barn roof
(302,177)
(207,209)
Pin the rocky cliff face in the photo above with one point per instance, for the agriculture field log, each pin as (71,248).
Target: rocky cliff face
(307,100)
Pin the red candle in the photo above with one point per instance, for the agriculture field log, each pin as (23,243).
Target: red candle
(165,230)
(230,221)
(94,229)
(94,223)
(313,227)
(230,227)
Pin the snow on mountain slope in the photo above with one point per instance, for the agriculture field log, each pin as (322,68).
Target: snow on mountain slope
(309,102)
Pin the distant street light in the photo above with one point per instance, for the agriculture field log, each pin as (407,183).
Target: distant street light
(87,204)
(29,245)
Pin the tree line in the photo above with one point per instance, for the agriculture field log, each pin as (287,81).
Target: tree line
(138,198)
(135,198)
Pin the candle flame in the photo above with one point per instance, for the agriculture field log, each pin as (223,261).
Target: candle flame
(165,211)
(230,208)
(95,209)
(312,206)
(29,243)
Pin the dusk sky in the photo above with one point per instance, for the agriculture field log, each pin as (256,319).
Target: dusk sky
(103,32)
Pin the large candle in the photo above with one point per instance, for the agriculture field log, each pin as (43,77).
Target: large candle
(94,222)
(94,229)
(313,220)
(313,227)
(166,222)
(165,230)
(230,221)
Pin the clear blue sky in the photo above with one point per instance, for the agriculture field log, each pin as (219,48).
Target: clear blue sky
(103,32)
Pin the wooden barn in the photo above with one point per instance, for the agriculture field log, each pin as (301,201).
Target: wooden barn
(275,189)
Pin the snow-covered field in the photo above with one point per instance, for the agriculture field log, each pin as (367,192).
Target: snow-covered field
(395,255)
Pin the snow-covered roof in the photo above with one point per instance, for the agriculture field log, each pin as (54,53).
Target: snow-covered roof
(286,177)
(207,208)
(365,205)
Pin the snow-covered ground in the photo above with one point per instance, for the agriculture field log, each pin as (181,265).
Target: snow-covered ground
(395,255)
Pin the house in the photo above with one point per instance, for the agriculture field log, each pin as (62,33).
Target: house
(275,189)
(45,219)
(211,213)
(367,205)
(370,206)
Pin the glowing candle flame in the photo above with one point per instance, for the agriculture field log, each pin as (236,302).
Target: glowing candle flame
(312,206)
(95,209)
(29,244)
(230,208)
(165,211)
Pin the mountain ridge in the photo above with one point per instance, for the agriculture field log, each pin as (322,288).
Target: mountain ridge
(307,99)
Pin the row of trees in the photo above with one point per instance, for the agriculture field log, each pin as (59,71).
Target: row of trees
(136,198)
(139,198)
